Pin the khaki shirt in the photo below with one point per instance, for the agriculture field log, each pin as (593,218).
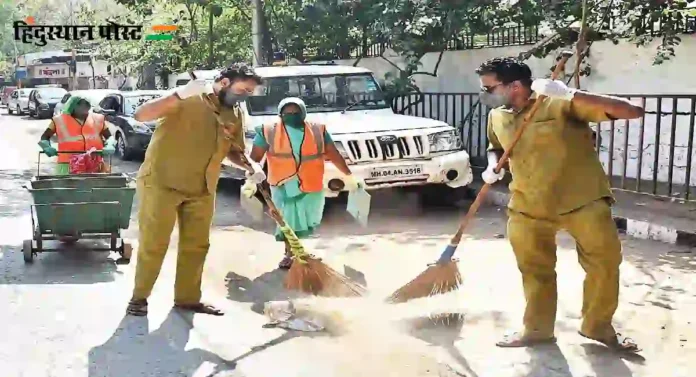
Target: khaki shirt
(188,146)
(555,168)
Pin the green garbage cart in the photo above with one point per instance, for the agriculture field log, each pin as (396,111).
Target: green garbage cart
(80,206)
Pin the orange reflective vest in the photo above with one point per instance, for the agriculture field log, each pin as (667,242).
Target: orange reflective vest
(73,137)
(282,165)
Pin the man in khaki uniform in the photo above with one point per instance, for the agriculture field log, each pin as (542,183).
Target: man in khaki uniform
(179,177)
(557,183)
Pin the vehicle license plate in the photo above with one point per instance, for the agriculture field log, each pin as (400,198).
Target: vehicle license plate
(396,171)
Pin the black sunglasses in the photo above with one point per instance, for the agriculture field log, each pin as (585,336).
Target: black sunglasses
(490,89)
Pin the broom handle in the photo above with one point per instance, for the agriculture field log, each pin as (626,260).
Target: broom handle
(274,212)
(503,160)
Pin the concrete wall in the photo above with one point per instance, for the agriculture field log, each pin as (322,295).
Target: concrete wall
(617,69)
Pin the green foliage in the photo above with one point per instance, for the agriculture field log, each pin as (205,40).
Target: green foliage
(190,48)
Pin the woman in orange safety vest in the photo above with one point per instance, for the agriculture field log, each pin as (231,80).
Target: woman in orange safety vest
(77,130)
(295,151)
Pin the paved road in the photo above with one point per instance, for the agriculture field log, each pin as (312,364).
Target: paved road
(63,315)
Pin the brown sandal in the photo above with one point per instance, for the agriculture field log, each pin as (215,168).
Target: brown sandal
(286,263)
(518,339)
(200,308)
(617,343)
(137,308)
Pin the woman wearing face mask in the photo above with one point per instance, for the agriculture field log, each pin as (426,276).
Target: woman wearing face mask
(296,169)
(178,180)
(77,130)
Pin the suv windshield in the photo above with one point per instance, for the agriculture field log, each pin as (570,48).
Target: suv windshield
(23,93)
(132,103)
(320,93)
(51,93)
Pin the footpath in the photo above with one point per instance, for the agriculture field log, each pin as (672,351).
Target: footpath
(641,216)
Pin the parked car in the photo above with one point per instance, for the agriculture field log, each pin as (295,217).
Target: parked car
(42,101)
(132,137)
(94,96)
(384,148)
(19,101)
(5,94)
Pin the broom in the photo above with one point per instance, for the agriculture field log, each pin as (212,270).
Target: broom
(443,276)
(307,273)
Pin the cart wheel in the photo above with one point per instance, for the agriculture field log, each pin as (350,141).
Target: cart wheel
(28,251)
(126,250)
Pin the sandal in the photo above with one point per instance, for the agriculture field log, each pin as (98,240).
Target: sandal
(617,343)
(518,339)
(200,308)
(286,263)
(137,308)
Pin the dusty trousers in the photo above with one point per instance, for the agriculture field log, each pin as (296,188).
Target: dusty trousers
(159,209)
(599,253)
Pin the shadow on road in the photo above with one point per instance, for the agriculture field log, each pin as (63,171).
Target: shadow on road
(444,332)
(547,360)
(75,265)
(134,351)
(267,287)
(609,364)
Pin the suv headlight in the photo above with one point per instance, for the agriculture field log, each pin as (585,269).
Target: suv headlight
(140,128)
(450,140)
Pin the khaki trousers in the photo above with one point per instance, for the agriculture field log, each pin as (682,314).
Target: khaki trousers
(599,253)
(159,209)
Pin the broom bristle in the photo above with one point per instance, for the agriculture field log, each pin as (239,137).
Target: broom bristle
(436,279)
(317,278)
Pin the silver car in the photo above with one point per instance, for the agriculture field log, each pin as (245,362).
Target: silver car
(18,103)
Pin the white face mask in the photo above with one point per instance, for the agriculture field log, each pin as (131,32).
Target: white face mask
(493,100)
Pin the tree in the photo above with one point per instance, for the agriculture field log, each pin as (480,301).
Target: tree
(582,23)
(196,44)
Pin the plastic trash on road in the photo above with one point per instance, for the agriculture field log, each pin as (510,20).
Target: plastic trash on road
(283,314)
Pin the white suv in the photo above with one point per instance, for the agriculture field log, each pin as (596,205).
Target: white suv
(383,148)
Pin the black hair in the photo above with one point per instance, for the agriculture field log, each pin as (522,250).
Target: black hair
(507,70)
(238,72)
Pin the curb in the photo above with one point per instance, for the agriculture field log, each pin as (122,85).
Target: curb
(635,228)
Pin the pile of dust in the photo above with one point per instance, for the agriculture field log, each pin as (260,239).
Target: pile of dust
(343,316)
(370,336)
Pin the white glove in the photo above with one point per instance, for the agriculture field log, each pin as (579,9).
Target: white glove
(553,89)
(249,189)
(258,176)
(489,175)
(353,183)
(194,88)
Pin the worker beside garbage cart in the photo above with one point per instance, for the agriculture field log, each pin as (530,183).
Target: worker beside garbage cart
(77,130)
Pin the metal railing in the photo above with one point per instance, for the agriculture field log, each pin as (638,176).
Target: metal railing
(653,155)
(517,35)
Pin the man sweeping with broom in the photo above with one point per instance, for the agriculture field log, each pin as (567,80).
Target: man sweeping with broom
(558,183)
